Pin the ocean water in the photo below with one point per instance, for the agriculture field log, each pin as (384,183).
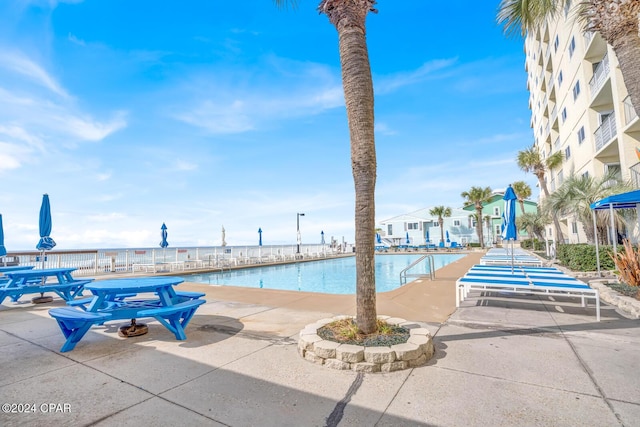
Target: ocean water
(332,276)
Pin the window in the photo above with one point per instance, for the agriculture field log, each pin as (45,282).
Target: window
(576,90)
(581,135)
(572,46)
(586,174)
(574,227)
(560,78)
(567,153)
(498,230)
(496,211)
(390,229)
(556,43)
(456,223)
(435,224)
(560,177)
(412,226)
(564,114)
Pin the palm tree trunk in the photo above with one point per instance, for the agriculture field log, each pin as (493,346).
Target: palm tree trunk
(441,229)
(556,222)
(627,49)
(479,225)
(358,93)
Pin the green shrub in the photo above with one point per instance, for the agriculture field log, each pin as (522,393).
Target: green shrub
(582,257)
(535,245)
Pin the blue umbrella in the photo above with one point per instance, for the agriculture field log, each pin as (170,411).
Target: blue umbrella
(509,231)
(322,237)
(46,243)
(447,234)
(3,250)
(408,241)
(163,234)
(163,242)
(426,237)
(378,238)
(259,236)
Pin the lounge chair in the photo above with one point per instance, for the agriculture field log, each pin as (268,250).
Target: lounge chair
(525,283)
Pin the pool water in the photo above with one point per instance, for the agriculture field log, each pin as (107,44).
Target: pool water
(333,276)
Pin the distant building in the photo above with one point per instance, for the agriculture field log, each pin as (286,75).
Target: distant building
(420,227)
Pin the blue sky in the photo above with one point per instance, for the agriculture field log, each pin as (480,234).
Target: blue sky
(203,114)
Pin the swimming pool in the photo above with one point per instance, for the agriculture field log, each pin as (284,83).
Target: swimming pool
(333,276)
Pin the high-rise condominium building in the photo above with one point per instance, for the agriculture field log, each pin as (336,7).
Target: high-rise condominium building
(580,107)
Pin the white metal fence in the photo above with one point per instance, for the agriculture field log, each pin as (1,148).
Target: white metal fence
(109,261)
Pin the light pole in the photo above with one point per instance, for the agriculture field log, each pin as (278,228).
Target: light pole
(298,215)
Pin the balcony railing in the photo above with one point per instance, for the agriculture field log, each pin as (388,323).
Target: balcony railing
(600,75)
(629,112)
(605,132)
(635,175)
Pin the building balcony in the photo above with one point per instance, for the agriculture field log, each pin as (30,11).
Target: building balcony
(600,75)
(606,132)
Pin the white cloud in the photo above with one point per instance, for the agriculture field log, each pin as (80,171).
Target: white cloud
(428,70)
(24,66)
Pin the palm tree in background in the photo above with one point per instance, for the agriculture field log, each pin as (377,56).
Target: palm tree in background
(533,221)
(577,193)
(477,196)
(530,160)
(523,192)
(349,16)
(617,21)
(440,212)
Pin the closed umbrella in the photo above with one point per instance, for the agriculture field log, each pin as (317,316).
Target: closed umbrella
(509,231)
(46,243)
(447,234)
(259,236)
(426,237)
(3,250)
(163,243)
(408,241)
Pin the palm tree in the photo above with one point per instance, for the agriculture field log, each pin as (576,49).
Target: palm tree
(523,191)
(529,160)
(477,196)
(440,212)
(617,21)
(533,221)
(348,16)
(577,193)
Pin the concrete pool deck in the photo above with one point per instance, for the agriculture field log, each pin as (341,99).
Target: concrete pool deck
(499,361)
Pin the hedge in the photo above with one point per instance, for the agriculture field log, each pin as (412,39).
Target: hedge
(582,257)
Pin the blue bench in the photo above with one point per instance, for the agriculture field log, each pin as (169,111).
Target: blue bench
(75,323)
(67,291)
(175,317)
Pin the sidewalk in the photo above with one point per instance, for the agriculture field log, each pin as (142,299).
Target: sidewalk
(499,361)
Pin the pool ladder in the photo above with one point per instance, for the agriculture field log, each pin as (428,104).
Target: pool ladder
(432,273)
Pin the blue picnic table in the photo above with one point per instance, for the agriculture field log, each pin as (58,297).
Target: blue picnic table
(8,268)
(120,299)
(38,281)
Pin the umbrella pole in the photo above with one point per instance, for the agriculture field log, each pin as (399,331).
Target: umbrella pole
(512,261)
